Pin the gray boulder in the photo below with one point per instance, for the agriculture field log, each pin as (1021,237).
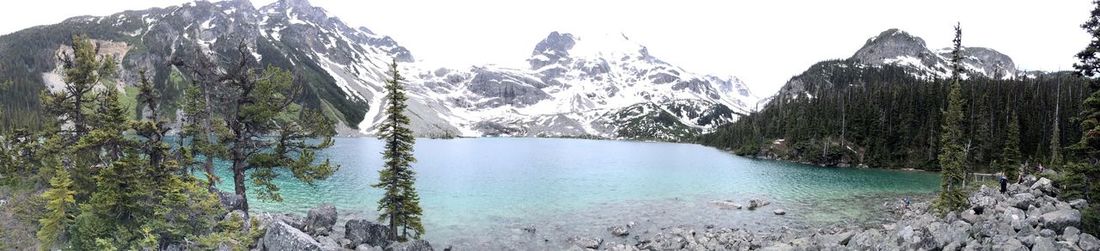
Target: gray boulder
(1059,220)
(1044,185)
(1023,200)
(1044,244)
(417,245)
(780,212)
(281,236)
(1088,242)
(944,234)
(1071,235)
(360,231)
(328,244)
(1078,204)
(1009,245)
(319,220)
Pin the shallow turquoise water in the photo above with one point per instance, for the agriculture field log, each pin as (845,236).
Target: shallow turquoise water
(565,186)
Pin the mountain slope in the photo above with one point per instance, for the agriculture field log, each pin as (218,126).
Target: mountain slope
(586,86)
(575,86)
(290,34)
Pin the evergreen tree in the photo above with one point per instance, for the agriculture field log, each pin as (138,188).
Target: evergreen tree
(1011,154)
(83,72)
(256,104)
(952,158)
(400,205)
(1088,147)
(1056,136)
(59,203)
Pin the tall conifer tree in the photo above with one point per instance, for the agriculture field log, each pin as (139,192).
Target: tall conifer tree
(400,205)
(1088,148)
(1011,153)
(952,158)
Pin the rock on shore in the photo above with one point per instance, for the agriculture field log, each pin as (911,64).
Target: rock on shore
(1028,216)
(315,232)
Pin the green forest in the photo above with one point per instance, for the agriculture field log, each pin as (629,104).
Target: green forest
(885,117)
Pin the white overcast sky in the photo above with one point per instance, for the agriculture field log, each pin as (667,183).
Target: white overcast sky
(762,42)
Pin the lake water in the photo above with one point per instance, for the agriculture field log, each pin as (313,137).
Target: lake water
(481,192)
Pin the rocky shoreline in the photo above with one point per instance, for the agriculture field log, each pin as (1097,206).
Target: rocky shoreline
(1027,217)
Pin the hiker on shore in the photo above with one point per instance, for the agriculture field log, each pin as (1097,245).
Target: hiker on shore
(1004,183)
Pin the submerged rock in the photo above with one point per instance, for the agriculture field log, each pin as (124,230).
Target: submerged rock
(757,203)
(618,231)
(726,204)
(586,242)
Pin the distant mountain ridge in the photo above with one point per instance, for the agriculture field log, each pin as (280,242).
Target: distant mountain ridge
(576,86)
(899,48)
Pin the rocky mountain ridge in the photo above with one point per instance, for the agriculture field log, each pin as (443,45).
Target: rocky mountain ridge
(898,48)
(576,86)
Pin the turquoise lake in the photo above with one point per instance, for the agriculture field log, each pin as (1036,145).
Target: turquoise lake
(481,192)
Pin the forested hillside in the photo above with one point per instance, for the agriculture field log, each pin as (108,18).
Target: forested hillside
(882,116)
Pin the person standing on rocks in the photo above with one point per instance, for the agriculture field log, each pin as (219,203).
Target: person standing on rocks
(1004,183)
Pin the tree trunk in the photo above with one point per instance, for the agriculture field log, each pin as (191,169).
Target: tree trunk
(238,182)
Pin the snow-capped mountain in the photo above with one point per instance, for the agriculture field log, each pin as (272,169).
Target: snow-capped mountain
(604,86)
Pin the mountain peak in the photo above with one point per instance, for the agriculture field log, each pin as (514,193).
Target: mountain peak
(295,3)
(556,43)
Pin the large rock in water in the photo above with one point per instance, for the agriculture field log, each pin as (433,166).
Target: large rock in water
(320,220)
(1059,220)
(417,245)
(281,236)
(360,231)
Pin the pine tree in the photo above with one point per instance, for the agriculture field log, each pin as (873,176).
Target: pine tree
(83,72)
(59,205)
(1056,136)
(1011,154)
(952,159)
(257,104)
(400,205)
(1089,146)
